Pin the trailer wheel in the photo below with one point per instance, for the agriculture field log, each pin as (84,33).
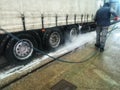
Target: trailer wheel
(52,39)
(37,38)
(72,32)
(21,51)
(86,28)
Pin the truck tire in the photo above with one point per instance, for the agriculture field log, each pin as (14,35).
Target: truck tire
(72,32)
(20,51)
(52,39)
(37,38)
(86,28)
(3,43)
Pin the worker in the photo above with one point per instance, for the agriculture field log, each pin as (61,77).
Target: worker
(102,19)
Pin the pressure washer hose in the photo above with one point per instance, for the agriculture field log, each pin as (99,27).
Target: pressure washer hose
(58,59)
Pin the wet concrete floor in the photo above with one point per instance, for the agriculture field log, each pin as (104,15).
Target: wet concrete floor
(101,72)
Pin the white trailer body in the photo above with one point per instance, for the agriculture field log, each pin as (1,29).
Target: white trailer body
(41,24)
(11,11)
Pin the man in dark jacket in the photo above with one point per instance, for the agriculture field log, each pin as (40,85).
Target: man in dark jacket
(102,20)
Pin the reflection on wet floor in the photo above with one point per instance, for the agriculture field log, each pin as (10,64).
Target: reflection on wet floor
(111,56)
(101,72)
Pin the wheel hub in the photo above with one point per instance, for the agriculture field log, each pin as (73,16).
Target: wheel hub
(73,34)
(54,39)
(23,49)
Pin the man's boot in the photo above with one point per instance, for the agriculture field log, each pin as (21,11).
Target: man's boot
(97,45)
(101,49)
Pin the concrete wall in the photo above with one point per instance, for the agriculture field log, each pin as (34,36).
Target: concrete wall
(11,10)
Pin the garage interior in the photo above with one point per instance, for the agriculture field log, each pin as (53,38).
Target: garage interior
(71,67)
(99,72)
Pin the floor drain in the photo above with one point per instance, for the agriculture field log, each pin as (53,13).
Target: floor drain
(64,85)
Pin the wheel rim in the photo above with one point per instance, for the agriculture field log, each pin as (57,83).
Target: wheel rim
(23,49)
(73,33)
(54,39)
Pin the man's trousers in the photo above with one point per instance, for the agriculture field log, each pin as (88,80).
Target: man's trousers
(101,35)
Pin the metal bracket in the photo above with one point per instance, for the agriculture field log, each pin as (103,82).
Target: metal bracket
(87,17)
(67,19)
(56,19)
(75,18)
(23,21)
(42,19)
(82,18)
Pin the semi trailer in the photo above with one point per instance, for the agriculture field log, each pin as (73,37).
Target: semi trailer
(27,25)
